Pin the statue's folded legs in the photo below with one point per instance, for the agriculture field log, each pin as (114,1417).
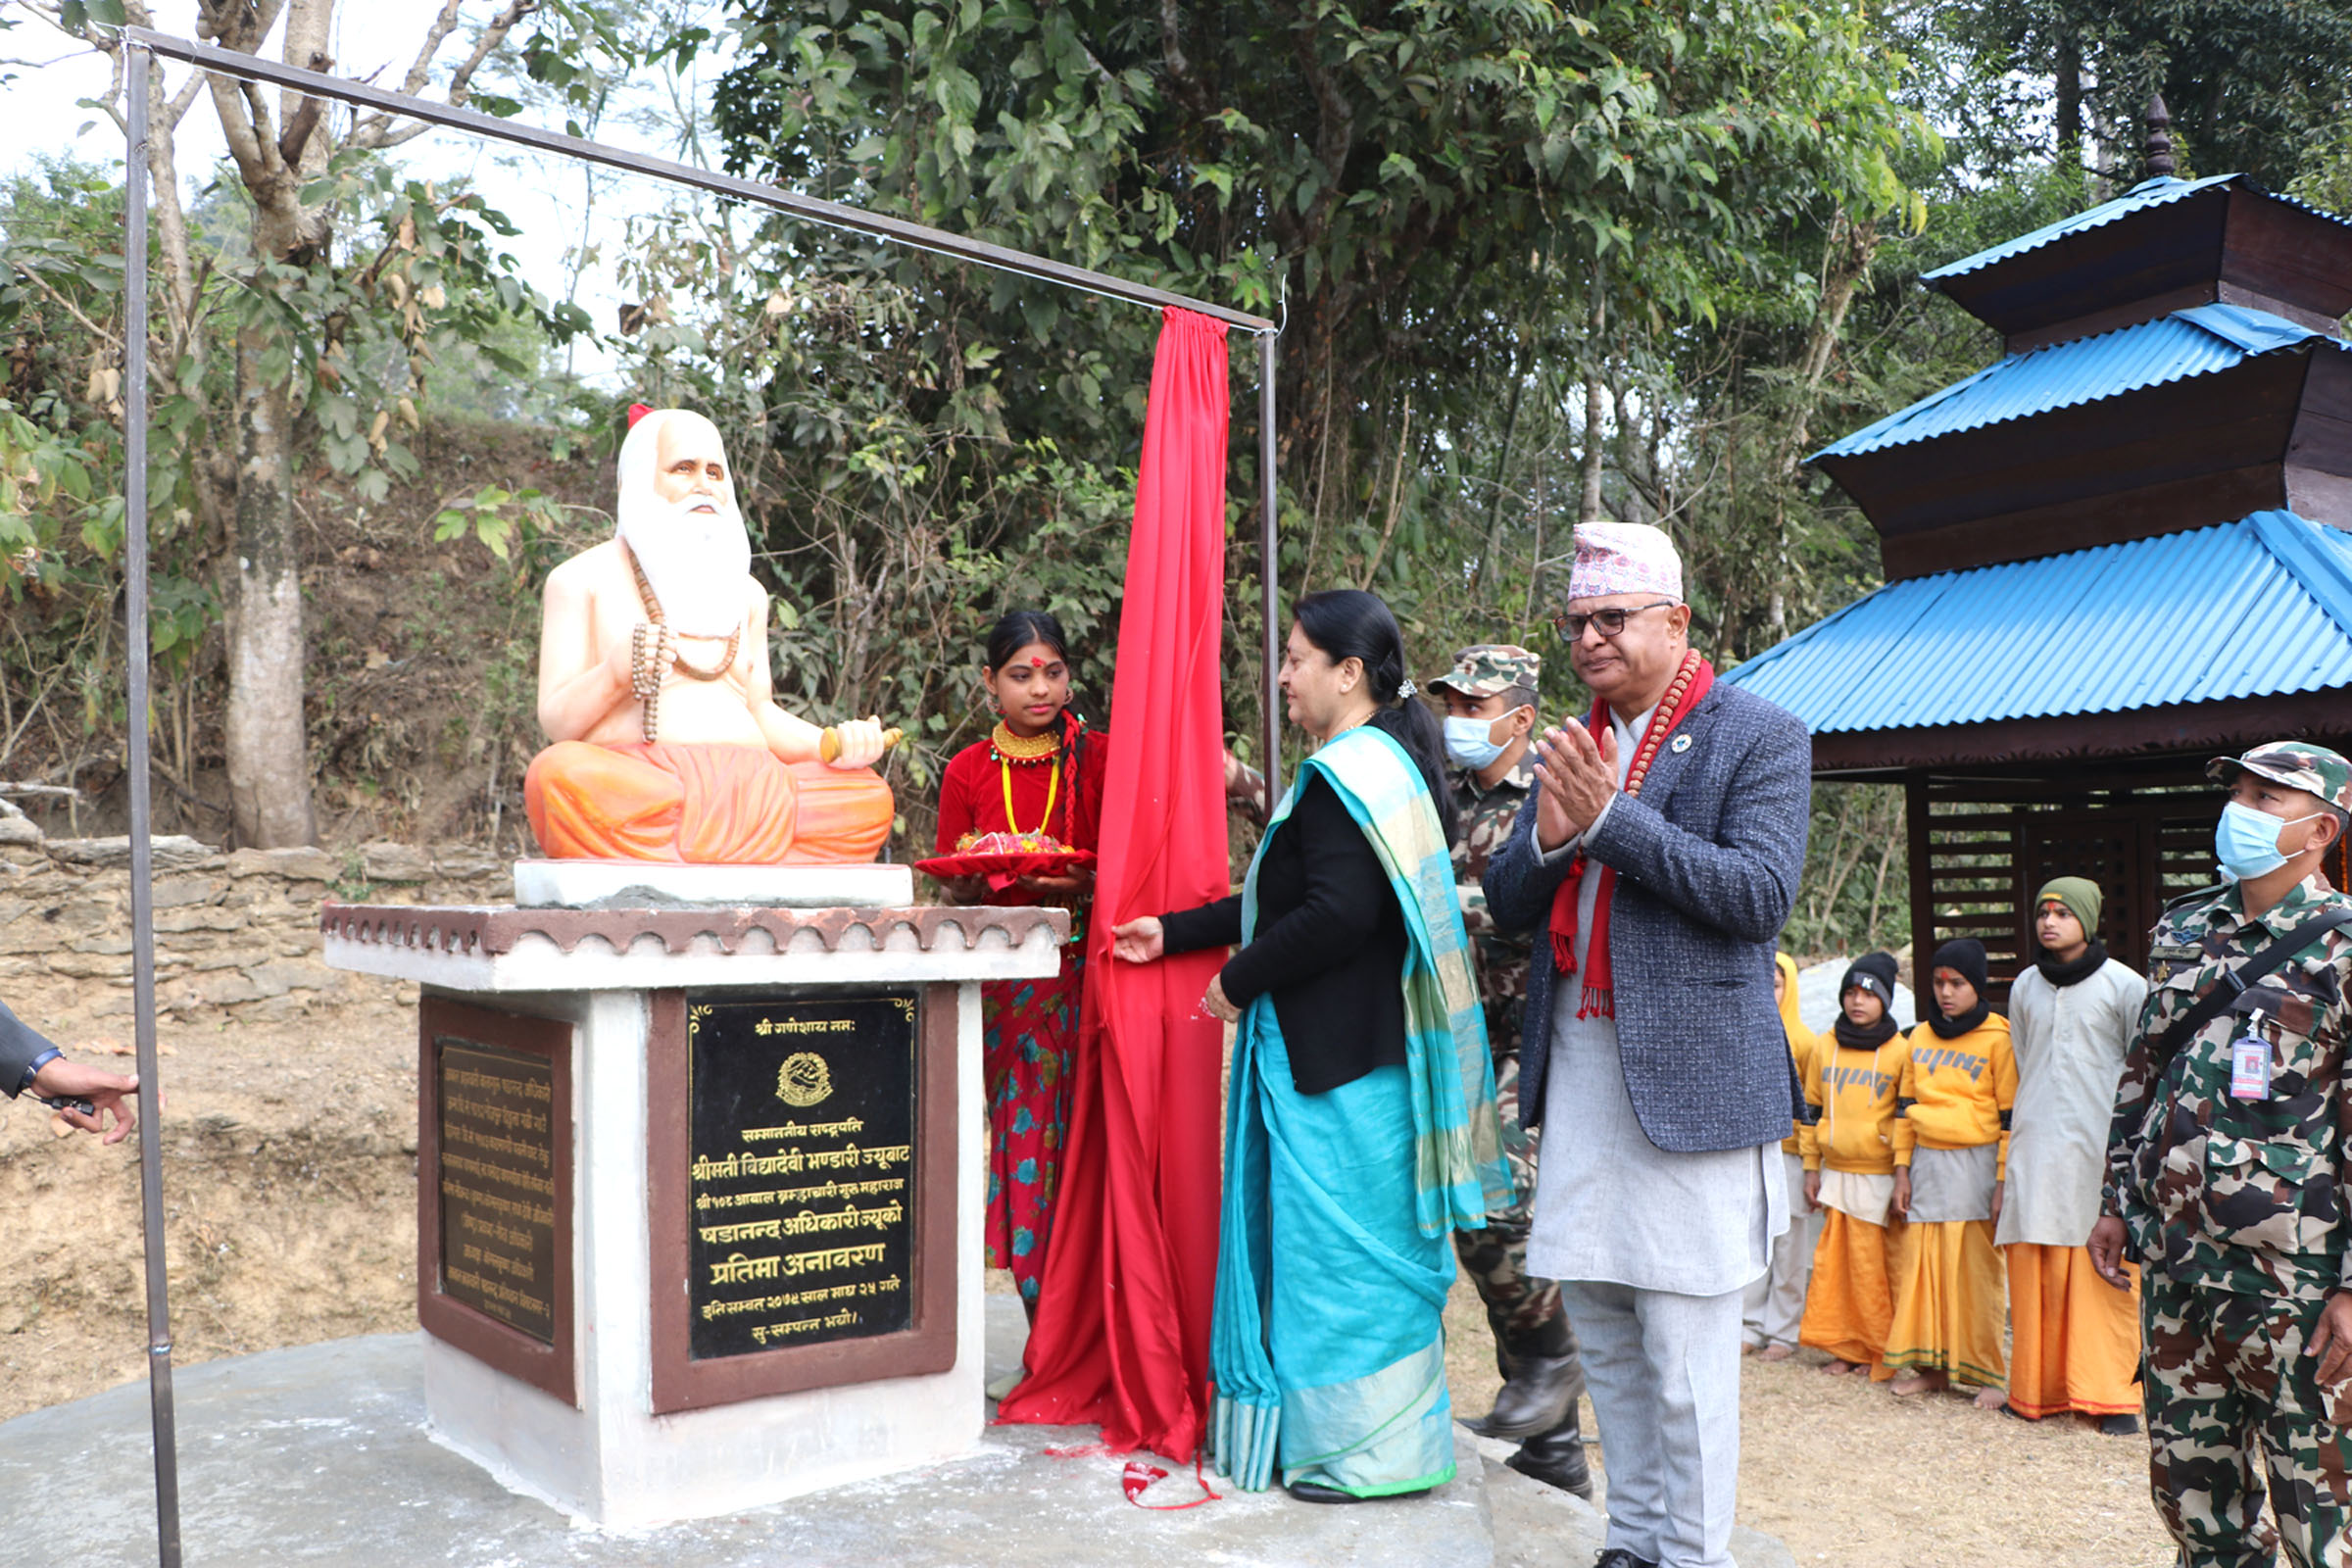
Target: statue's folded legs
(702,805)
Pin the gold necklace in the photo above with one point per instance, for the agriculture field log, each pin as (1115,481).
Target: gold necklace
(1053,789)
(1011,748)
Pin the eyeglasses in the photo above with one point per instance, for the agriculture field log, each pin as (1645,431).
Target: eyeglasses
(1608,622)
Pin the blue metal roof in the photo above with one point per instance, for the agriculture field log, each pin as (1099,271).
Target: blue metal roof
(2092,631)
(2161,191)
(2193,342)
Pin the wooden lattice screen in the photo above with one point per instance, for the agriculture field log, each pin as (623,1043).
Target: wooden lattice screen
(1981,846)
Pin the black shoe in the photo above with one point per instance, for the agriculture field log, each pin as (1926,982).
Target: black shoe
(1539,1399)
(2119,1426)
(1557,1460)
(1619,1557)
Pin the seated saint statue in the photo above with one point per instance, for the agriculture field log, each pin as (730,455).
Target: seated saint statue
(654,687)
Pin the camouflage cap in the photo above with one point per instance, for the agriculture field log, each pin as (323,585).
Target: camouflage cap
(2297,765)
(1488,668)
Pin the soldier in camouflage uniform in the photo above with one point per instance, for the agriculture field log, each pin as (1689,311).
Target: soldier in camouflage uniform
(1490,696)
(2225,1178)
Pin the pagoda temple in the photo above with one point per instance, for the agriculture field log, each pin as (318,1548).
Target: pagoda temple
(2121,550)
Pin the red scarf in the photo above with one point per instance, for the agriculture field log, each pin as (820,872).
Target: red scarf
(1600,1001)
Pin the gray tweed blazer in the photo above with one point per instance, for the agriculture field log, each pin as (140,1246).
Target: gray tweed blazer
(1708,858)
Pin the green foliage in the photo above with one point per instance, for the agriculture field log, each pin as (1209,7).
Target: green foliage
(360,334)
(2252,84)
(504,520)
(1426,195)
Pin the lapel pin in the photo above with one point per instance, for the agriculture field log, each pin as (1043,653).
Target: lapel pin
(1681,743)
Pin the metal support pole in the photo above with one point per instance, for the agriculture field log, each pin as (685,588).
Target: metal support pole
(916,237)
(1268,565)
(142,848)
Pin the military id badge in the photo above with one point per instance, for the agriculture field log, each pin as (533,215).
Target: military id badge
(2250,1062)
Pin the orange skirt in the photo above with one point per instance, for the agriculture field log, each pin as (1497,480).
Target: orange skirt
(1949,1300)
(702,806)
(2074,1338)
(1850,1303)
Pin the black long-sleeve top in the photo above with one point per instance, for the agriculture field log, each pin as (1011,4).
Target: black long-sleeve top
(20,1047)
(1330,948)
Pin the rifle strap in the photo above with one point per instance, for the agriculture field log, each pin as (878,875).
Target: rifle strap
(2223,994)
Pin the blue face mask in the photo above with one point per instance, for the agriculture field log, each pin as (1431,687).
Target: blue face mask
(2246,841)
(1469,742)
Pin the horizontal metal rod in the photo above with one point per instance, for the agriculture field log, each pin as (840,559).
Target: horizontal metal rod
(253,68)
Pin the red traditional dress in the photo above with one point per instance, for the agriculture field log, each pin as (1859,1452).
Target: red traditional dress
(1053,784)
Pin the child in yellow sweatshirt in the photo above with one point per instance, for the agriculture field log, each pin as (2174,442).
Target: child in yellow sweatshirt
(1847,1145)
(1775,1302)
(1957,1085)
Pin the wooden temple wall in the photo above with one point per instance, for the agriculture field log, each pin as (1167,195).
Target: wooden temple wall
(1980,847)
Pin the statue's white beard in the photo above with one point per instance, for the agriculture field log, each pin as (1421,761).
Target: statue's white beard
(696,560)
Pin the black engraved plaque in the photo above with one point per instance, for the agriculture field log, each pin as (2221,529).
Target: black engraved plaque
(801,1169)
(497,1177)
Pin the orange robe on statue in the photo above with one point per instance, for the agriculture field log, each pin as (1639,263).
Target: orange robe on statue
(702,805)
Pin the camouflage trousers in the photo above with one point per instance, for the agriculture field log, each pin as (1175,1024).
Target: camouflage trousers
(2233,1400)
(1522,1309)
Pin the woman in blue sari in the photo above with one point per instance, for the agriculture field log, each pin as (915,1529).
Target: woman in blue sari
(1360,1128)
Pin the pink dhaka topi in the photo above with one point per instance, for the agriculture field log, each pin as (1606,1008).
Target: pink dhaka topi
(1624,558)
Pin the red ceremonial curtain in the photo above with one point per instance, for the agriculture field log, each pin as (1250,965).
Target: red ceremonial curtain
(1122,1323)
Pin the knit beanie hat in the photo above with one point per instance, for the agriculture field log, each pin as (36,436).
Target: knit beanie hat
(1964,956)
(2079,894)
(1875,973)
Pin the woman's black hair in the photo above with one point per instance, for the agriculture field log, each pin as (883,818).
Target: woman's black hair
(1349,623)
(1016,629)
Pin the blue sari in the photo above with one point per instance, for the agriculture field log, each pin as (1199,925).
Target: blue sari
(1327,1350)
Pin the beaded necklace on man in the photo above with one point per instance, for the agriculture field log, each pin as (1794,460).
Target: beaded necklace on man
(645,657)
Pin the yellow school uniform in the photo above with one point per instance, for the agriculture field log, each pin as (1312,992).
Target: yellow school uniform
(1850,1097)
(1953,1134)
(1800,1037)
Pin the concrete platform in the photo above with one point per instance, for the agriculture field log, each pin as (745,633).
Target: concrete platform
(319,1457)
(645,885)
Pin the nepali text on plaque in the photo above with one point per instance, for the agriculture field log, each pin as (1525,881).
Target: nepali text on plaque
(498,1183)
(801,1224)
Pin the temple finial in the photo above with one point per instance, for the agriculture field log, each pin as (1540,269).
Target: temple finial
(2159,150)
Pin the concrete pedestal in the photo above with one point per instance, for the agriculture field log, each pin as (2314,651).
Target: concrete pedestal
(606,1415)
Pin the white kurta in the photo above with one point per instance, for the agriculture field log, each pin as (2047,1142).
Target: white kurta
(1610,1205)
(2070,1042)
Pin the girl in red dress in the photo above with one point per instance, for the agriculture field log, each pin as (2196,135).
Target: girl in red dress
(1038,771)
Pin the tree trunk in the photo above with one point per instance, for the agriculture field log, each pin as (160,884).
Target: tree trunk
(1588,504)
(1844,260)
(269,749)
(268,740)
(2070,100)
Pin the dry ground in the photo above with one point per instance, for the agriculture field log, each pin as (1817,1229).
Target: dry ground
(290,1183)
(1847,1474)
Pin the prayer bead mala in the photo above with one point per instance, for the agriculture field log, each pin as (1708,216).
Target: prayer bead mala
(647,664)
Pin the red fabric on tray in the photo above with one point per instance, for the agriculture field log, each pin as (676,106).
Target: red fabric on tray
(1122,1324)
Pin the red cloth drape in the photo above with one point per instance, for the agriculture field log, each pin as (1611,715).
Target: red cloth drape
(1122,1325)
